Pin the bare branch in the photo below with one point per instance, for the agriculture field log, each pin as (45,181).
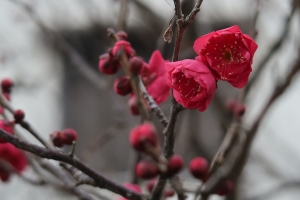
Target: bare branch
(100,180)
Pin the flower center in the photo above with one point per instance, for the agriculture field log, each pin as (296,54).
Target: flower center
(227,55)
(187,87)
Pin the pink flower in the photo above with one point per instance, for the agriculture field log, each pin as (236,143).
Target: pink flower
(154,76)
(229,53)
(193,83)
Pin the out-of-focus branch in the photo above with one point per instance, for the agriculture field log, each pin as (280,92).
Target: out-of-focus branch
(100,180)
(278,91)
(79,62)
(102,140)
(226,169)
(275,47)
(123,15)
(7,167)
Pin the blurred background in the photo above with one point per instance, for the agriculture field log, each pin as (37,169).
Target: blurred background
(51,49)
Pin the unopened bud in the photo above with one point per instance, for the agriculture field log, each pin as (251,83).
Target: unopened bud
(122,86)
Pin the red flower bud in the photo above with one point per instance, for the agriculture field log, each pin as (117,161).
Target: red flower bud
(57,138)
(122,85)
(133,105)
(126,47)
(199,167)
(146,169)
(225,188)
(6,85)
(69,135)
(175,164)
(19,116)
(239,110)
(6,126)
(150,185)
(135,65)
(142,136)
(122,35)
(108,65)
(169,193)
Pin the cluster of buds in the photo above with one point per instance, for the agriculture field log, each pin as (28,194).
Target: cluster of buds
(152,74)
(109,64)
(199,168)
(144,139)
(64,137)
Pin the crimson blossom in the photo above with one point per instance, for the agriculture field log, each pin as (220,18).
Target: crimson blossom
(14,157)
(229,53)
(154,78)
(193,83)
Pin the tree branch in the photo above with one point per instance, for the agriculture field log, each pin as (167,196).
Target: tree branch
(100,180)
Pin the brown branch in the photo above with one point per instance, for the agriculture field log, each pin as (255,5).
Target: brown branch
(100,180)
(169,131)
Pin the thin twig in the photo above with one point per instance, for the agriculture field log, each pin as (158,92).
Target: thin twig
(153,106)
(102,140)
(78,175)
